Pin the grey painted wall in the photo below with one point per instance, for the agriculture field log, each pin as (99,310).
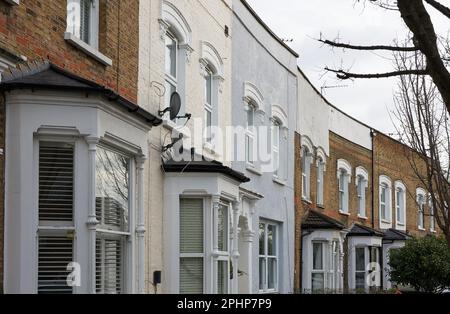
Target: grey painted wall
(260,59)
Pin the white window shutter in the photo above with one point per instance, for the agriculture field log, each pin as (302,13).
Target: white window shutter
(56,181)
(191,243)
(54,255)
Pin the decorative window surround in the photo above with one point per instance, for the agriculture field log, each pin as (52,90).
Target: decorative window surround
(400,205)
(344,176)
(66,116)
(361,181)
(385,184)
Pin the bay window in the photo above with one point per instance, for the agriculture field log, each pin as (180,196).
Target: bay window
(318,269)
(56,224)
(191,246)
(113,213)
(360,268)
(268,257)
(223,254)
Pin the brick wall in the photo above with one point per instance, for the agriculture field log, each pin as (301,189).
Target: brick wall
(35,29)
(392,159)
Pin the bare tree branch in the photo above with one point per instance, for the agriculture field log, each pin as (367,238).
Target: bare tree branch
(374,47)
(441,8)
(344,75)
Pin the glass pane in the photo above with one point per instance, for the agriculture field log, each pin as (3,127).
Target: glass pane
(208,89)
(222,277)
(262,273)
(262,248)
(360,259)
(171,56)
(276,162)
(191,275)
(317,256)
(249,149)
(222,226)
(318,282)
(272,275)
(276,135)
(360,278)
(112,189)
(383,194)
(271,240)
(250,117)
(85,14)
(208,131)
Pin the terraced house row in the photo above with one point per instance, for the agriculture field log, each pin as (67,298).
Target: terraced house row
(255,185)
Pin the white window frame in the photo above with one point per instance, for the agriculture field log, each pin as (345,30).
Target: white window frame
(266,258)
(209,108)
(385,183)
(276,143)
(170,79)
(91,47)
(122,235)
(322,271)
(432,214)
(222,256)
(250,136)
(344,169)
(361,182)
(420,193)
(320,181)
(306,160)
(400,205)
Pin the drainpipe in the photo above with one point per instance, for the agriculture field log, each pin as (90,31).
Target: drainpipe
(372,135)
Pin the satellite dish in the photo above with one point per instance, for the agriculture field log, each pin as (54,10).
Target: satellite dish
(175,105)
(174,108)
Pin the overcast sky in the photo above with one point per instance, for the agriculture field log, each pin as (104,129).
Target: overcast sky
(304,20)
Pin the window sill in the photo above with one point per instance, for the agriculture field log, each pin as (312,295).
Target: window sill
(306,200)
(384,221)
(433,231)
(209,147)
(401,224)
(421,229)
(13,2)
(344,213)
(253,170)
(362,217)
(320,206)
(279,181)
(89,50)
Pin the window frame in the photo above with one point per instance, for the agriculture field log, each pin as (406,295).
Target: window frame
(208,108)
(400,204)
(432,214)
(323,270)
(276,146)
(94,23)
(266,257)
(320,181)
(386,183)
(220,255)
(250,135)
(420,193)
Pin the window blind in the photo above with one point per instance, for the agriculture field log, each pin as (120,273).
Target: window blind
(54,255)
(191,275)
(191,226)
(108,262)
(56,181)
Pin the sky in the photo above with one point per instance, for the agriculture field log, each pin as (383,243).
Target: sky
(303,21)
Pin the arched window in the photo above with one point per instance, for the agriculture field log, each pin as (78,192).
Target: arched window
(362,179)
(421,201)
(211,69)
(385,202)
(321,161)
(400,205)
(279,142)
(253,105)
(176,34)
(344,175)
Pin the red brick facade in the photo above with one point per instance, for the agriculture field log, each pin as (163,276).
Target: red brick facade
(389,158)
(35,30)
